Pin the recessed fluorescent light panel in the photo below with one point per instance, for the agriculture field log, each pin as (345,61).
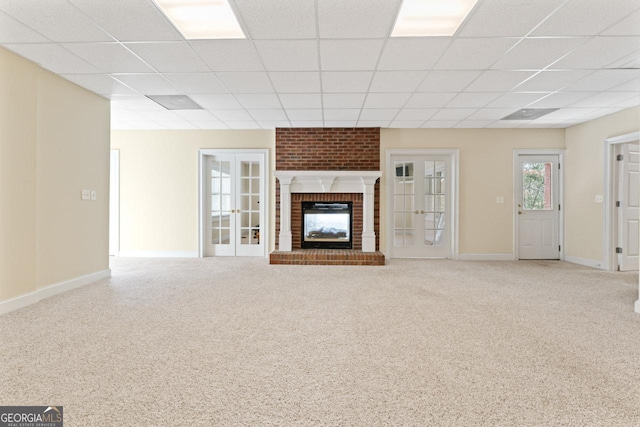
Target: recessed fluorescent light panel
(419,18)
(175,102)
(202,19)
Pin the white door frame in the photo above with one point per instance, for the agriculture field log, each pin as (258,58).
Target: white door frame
(454,216)
(114,203)
(516,172)
(202,154)
(610,216)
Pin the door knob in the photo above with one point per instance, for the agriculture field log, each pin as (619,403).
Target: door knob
(519,212)
(416,212)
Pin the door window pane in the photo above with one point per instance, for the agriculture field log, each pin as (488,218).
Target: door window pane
(536,186)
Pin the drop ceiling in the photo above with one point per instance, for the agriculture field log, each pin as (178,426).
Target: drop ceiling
(332,63)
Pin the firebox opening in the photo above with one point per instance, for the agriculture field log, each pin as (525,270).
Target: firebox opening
(327,225)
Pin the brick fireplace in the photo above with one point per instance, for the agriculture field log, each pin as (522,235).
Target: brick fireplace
(332,165)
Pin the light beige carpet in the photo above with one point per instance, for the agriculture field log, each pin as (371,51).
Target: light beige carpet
(238,342)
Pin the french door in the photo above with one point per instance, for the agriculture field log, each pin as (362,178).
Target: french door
(628,206)
(233,205)
(422,206)
(538,199)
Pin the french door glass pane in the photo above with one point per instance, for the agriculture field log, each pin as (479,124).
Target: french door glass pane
(536,186)
(404,203)
(250,202)
(434,203)
(220,202)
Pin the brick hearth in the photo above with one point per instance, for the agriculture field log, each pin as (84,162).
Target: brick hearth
(326,257)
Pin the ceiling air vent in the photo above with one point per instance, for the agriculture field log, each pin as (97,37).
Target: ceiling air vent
(529,113)
(175,102)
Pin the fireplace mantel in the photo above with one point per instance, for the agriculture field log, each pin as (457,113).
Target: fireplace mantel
(328,182)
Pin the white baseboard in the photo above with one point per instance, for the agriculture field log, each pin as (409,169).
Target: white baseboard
(585,262)
(638,306)
(486,257)
(159,254)
(51,290)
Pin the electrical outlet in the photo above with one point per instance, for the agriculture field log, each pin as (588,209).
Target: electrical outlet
(500,200)
(598,198)
(86,194)
(94,195)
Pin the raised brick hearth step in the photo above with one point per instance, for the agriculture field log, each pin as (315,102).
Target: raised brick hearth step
(326,257)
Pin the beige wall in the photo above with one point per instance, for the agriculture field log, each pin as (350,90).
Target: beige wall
(54,141)
(584,231)
(486,171)
(159,185)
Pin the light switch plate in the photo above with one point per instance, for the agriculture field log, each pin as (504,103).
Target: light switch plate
(86,194)
(94,195)
(598,198)
(500,199)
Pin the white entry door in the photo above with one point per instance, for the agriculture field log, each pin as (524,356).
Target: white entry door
(628,201)
(537,196)
(421,206)
(234,205)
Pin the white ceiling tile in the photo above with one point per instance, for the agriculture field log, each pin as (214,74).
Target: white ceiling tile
(474,124)
(634,101)
(412,53)
(53,57)
(288,55)
(386,100)
(408,124)
(630,86)
(12,31)
(498,81)
(299,100)
(548,81)
(254,82)
(129,20)
(246,124)
(561,99)
(55,19)
(490,114)
(135,102)
(602,100)
(109,57)
(346,82)
(416,114)
(148,84)
(258,101)
(603,80)
(585,17)
(196,115)
(273,124)
(307,123)
(396,81)
(310,114)
(169,57)
(630,26)
(453,113)
(282,19)
(373,123)
(270,115)
(122,126)
(507,124)
(296,82)
(447,81)
(163,116)
(196,82)
(228,55)
(506,18)
(340,123)
(183,125)
(343,100)
(599,52)
(349,55)
(210,125)
(473,54)
(537,53)
(341,114)
(440,124)
(472,100)
(567,113)
(516,99)
(429,100)
(99,83)
(356,18)
(231,115)
(217,102)
(378,114)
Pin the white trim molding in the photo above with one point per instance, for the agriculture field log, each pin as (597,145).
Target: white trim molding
(637,306)
(585,262)
(328,182)
(486,257)
(159,254)
(51,290)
